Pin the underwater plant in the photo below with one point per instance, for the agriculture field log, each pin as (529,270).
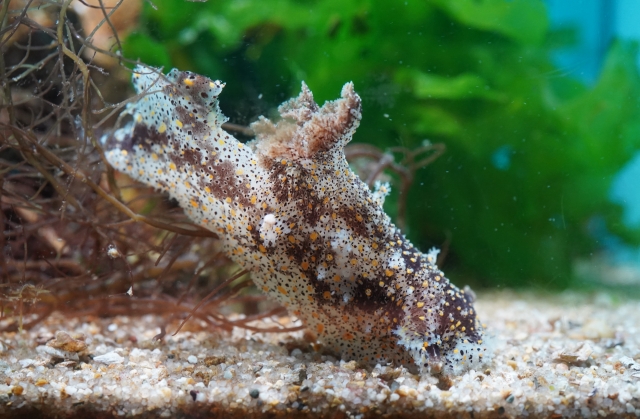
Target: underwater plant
(531,148)
(288,208)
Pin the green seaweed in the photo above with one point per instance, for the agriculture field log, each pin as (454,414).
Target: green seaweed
(531,150)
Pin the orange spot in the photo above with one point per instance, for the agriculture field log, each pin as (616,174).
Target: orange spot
(282,290)
(172,166)
(387,272)
(347,336)
(292,239)
(304,265)
(329,257)
(314,236)
(320,328)
(326,295)
(194,203)
(228,200)
(354,261)
(253,199)
(374,262)
(336,278)
(359,217)
(262,249)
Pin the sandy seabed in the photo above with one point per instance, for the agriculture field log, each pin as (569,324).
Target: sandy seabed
(570,355)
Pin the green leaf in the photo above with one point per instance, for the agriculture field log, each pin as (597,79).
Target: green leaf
(436,121)
(524,21)
(608,112)
(138,46)
(430,86)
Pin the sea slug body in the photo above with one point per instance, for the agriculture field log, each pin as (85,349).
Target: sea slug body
(289,209)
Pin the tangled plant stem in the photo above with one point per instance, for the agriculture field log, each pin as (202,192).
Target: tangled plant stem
(62,207)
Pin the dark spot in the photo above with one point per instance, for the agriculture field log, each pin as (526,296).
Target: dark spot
(254,393)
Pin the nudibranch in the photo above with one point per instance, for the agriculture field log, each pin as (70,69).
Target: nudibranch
(288,208)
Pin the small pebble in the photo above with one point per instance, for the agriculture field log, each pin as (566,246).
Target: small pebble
(254,393)
(192,359)
(109,358)
(394,385)
(228,375)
